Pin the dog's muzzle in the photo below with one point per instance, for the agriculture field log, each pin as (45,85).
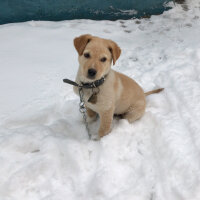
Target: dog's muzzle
(92,73)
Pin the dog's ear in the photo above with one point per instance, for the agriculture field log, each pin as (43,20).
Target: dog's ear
(81,42)
(115,50)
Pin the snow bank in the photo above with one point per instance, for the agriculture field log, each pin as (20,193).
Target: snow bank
(45,153)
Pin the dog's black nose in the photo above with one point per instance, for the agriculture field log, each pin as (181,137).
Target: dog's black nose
(92,73)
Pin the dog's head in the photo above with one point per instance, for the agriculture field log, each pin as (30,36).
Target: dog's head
(95,56)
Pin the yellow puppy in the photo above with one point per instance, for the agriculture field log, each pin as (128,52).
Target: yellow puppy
(118,94)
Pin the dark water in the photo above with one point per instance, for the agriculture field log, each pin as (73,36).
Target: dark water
(55,10)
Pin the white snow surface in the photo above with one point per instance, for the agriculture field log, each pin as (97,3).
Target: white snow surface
(45,153)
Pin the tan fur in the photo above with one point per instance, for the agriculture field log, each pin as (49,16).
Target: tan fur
(154,91)
(81,42)
(119,94)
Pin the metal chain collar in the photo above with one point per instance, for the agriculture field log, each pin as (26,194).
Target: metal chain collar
(93,98)
(82,110)
(82,107)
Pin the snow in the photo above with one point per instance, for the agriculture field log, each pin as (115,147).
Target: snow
(45,153)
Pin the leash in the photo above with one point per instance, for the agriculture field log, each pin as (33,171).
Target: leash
(82,110)
(92,99)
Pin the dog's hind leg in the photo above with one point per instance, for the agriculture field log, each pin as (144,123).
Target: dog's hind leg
(135,112)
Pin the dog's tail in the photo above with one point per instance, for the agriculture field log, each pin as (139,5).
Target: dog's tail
(154,91)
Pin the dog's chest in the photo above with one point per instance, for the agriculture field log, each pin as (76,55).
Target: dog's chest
(91,100)
(97,100)
(90,97)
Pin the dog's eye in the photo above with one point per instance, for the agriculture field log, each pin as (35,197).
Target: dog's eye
(103,59)
(86,55)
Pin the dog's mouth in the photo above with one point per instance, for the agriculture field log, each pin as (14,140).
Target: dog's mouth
(87,79)
(91,78)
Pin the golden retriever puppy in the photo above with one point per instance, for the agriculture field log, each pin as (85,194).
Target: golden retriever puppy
(118,94)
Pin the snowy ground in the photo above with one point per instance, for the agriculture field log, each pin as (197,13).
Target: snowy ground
(45,153)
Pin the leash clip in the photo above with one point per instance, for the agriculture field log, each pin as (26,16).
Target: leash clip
(94,86)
